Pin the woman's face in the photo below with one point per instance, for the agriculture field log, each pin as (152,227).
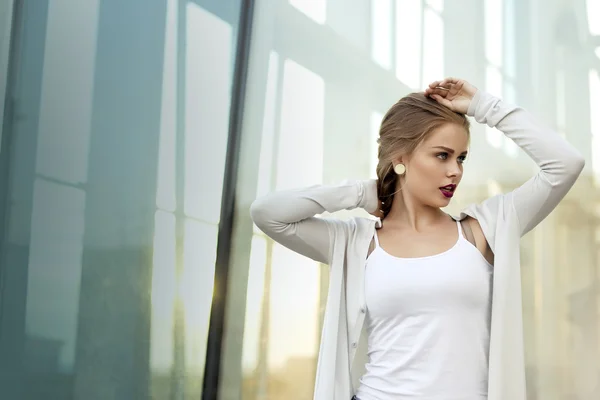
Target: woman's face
(435,168)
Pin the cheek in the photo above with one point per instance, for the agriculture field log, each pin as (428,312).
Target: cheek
(428,167)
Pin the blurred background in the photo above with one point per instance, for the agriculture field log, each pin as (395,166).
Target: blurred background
(135,135)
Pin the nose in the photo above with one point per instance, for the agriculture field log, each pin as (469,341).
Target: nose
(454,170)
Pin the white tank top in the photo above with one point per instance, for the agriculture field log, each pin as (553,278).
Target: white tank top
(428,324)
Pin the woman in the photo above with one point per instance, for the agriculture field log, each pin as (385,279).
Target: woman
(422,305)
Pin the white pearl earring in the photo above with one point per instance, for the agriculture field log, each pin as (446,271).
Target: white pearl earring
(400,169)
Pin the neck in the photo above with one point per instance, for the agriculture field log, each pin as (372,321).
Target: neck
(410,212)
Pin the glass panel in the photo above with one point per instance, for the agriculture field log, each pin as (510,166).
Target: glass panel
(301,138)
(494,31)
(196,291)
(293,335)
(54,272)
(433,48)
(376,119)
(593,16)
(594,79)
(6,18)
(313,106)
(314,9)
(256,336)
(493,84)
(207,100)
(381,32)
(436,5)
(409,16)
(112,195)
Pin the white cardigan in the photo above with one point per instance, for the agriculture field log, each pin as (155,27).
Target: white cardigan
(289,217)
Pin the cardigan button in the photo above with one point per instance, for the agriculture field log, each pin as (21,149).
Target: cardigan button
(354,344)
(363,310)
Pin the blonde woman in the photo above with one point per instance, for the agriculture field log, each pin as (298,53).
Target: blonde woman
(423,305)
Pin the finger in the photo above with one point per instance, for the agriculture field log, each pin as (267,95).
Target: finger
(452,83)
(433,85)
(443,101)
(438,90)
(456,88)
(450,80)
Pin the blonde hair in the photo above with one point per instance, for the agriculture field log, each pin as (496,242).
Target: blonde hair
(406,124)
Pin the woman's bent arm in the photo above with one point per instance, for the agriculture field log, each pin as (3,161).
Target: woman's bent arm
(288,217)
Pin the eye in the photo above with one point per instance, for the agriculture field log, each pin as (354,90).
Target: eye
(462,159)
(442,156)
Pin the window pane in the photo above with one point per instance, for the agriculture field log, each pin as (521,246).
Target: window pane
(265,170)
(196,291)
(257,305)
(493,83)
(332,96)
(207,97)
(54,272)
(433,51)
(493,31)
(408,42)
(165,193)
(375,125)
(593,14)
(314,9)
(301,137)
(99,157)
(594,79)
(293,335)
(164,290)
(381,32)
(437,5)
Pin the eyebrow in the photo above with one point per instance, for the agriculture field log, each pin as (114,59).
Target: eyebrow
(448,149)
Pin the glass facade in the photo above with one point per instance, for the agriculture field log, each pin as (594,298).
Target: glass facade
(115,127)
(326,71)
(113,161)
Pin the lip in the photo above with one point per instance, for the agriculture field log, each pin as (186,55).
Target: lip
(448,190)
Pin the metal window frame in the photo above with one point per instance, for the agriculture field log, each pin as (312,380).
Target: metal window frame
(212,370)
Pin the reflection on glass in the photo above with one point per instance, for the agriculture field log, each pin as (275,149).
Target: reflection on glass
(256,327)
(314,9)
(408,42)
(381,32)
(54,267)
(268,141)
(301,137)
(433,48)
(593,16)
(437,5)
(494,31)
(207,98)
(376,119)
(164,292)
(120,125)
(493,85)
(594,79)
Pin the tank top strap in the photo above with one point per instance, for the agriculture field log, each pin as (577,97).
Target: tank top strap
(460,231)
(376,239)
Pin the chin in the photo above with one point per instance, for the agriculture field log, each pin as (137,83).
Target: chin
(441,203)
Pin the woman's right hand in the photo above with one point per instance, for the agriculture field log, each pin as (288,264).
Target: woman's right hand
(456,94)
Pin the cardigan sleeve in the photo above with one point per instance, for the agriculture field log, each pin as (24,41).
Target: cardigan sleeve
(290,217)
(560,164)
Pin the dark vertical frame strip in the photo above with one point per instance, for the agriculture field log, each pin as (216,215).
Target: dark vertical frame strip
(6,134)
(217,313)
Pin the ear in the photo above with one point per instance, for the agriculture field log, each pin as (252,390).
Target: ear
(399,160)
